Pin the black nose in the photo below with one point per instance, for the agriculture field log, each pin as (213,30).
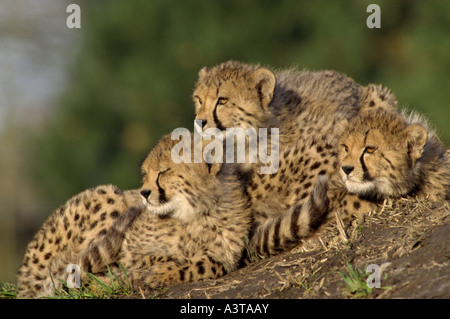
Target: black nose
(347,169)
(145,193)
(204,122)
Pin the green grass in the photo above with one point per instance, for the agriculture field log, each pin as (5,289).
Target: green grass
(92,288)
(8,291)
(355,281)
(95,288)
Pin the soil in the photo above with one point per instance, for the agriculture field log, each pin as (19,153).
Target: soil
(407,241)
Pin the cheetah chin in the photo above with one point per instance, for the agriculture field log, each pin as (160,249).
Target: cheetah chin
(178,208)
(377,188)
(166,209)
(361,188)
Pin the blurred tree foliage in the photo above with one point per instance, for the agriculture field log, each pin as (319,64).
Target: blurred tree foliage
(138,62)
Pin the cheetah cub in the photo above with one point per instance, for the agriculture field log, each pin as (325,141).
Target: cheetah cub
(188,222)
(389,154)
(382,154)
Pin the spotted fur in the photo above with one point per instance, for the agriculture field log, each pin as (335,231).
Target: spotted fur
(284,231)
(85,220)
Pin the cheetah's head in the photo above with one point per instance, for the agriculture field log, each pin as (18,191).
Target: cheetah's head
(178,190)
(233,95)
(380,154)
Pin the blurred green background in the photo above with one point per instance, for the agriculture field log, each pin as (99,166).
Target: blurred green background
(130,70)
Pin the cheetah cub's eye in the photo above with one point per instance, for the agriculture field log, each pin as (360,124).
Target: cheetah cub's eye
(222,100)
(160,173)
(345,148)
(164,170)
(199,100)
(371,149)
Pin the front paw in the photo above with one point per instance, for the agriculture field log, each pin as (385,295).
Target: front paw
(157,276)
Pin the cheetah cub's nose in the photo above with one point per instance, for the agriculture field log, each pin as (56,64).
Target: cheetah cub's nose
(145,193)
(347,169)
(203,122)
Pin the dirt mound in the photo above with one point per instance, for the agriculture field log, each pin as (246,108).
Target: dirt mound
(406,247)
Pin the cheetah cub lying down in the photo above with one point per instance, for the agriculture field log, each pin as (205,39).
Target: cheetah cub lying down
(383,154)
(389,154)
(188,222)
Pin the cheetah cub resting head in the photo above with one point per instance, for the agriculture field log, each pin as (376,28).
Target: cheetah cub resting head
(192,226)
(389,154)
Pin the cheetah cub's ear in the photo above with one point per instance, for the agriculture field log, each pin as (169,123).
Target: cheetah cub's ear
(264,82)
(203,72)
(416,137)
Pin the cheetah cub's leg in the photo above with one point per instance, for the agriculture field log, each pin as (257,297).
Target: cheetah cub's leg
(351,205)
(300,221)
(101,252)
(346,207)
(379,97)
(106,249)
(153,272)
